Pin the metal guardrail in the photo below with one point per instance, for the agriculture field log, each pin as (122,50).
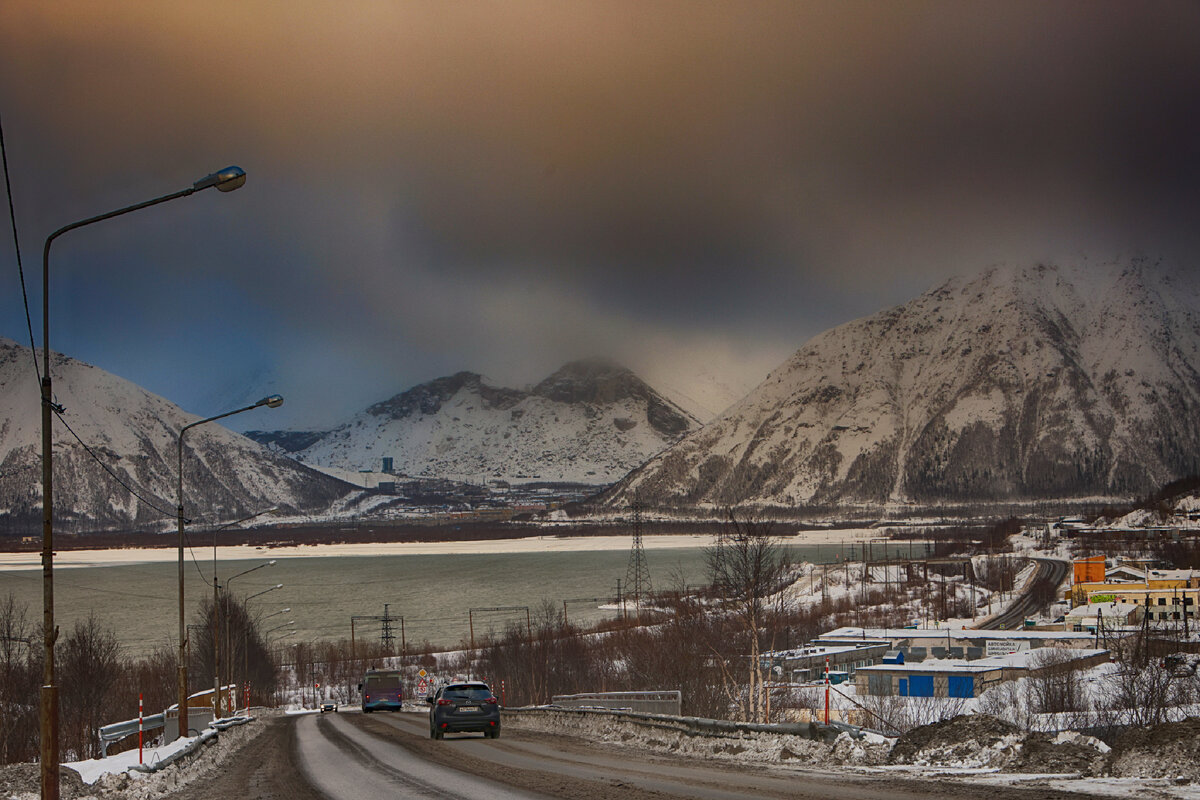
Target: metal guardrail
(699,726)
(665,702)
(119,730)
(207,737)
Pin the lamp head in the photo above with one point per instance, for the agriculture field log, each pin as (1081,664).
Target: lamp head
(225,180)
(271,401)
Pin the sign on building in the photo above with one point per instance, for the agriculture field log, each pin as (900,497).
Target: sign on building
(1004,647)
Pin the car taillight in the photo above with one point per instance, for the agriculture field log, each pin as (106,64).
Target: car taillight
(491,701)
(366,697)
(445,702)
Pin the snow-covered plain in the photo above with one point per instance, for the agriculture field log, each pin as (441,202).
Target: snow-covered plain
(536,544)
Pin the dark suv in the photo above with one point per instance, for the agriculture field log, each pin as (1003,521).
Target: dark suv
(459,707)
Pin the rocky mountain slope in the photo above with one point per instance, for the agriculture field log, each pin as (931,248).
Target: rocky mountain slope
(590,422)
(1023,383)
(135,435)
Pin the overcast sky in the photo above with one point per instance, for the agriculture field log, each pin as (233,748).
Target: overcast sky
(693,189)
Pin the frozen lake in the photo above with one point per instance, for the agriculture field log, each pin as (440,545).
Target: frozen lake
(136,592)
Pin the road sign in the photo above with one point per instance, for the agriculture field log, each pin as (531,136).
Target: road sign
(422,674)
(422,686)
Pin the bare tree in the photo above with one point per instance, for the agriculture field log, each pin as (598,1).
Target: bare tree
(746,567)
(89,667)
(1056,682)
(245,655)
(18,684)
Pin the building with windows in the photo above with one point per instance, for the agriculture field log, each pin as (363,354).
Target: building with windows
(1091,617)
(1161,605)
(966,679)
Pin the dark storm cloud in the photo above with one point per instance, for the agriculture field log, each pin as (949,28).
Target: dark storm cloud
(500,187)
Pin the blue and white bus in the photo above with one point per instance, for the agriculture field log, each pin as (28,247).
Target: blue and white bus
(381,690)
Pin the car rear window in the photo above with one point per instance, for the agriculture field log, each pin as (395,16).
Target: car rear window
(467,693)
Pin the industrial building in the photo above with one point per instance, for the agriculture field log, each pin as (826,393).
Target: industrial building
(963,678)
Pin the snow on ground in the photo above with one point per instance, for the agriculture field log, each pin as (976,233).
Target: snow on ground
(116,777)
(96,768)
(1037,760)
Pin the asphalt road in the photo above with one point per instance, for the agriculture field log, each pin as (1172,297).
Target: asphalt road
(1053,569)
(351,756)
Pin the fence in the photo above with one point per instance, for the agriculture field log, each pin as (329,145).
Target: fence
(669,702)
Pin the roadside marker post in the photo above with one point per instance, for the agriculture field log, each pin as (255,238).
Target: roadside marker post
(141,726)
(826,690)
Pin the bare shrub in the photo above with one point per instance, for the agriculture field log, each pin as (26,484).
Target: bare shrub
(1010,701)
(901,714)
(1056,682)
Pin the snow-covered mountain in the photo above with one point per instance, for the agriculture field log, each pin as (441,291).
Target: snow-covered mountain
(1022,383)
(590,422)
(134,434)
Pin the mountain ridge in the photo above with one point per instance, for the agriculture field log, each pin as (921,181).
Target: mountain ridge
(1018,384)
(135,434)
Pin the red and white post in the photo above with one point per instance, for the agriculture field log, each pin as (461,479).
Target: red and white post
(826,690)
(141,726)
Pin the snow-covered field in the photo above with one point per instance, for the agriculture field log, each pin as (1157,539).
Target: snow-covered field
(534,544)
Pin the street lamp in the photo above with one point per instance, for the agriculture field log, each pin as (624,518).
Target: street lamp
(216,600)
(281,627)
(225,180)
(264,591)
(229,591)
(272,401)
(217,625)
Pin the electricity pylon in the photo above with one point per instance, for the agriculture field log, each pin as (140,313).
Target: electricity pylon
(637,575)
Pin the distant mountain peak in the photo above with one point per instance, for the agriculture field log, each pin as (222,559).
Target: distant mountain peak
(591,421)
(427,398)
(1042,382)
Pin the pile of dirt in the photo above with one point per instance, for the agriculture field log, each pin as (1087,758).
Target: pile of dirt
(960,741)
(982,741)
(1170,750)
(1064,753)
(25,781)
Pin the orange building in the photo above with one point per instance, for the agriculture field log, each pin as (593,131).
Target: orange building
(1089,570)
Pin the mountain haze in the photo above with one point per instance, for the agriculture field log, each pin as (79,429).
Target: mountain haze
(590,422)
(135,435)
(1020,384)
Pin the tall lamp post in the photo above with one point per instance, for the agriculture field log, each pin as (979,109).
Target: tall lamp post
(216,606)
(225,180)
(273,401)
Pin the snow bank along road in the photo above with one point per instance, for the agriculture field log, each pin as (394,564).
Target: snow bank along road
(350,756)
